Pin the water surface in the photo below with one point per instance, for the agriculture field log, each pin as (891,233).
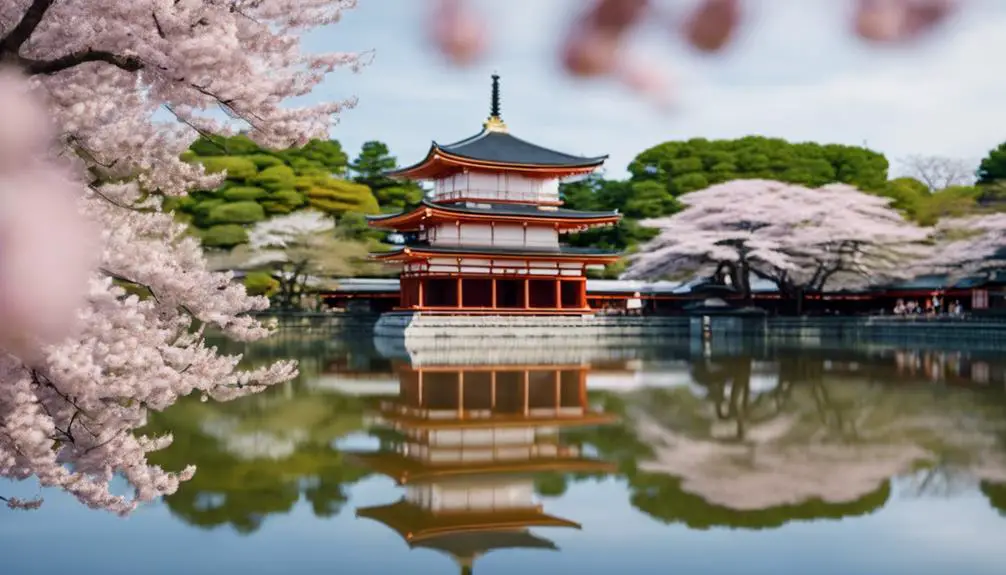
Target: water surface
(675,458)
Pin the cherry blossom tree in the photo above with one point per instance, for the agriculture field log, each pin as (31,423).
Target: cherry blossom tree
(297,247)
(968,246)
(801,239)
(106,69)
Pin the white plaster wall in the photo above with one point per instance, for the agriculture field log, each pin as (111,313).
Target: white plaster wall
(498,235)
(504,235)
(515,494)
(496,187)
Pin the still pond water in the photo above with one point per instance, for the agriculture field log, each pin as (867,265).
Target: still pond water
(675,459)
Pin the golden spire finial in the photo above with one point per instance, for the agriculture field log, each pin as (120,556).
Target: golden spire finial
(495,122)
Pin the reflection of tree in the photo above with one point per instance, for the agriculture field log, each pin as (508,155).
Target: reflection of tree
(256,463)
(944,478)
(728,382)
(550,484)
(662,497)
(258,455)
(818,445)
(995,492)
(618,443)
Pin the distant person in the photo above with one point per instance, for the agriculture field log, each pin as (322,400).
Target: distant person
(900,308)
(635,304)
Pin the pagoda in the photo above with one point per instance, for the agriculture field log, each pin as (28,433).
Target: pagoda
(486,239)
(465,443)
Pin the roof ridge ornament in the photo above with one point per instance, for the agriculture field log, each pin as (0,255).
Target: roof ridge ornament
(494,123)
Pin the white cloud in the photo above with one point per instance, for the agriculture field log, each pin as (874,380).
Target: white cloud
(794,74)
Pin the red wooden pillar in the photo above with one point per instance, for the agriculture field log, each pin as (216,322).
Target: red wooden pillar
(461,300)
(420,284)
(493,283)
(461,395)
(558,389)
(558,293)
(583,388)
(583,293)
(492,389)
(527,392)
(527,293)
(422,396)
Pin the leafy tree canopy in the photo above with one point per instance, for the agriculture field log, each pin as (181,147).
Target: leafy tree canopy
(369,168)
(993,167)
(687,166)
(261,184)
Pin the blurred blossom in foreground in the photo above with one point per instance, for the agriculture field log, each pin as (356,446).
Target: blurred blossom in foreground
(595,42)
(47,248)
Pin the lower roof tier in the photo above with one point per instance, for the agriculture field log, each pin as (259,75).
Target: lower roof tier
(562,253)
(414,523)
(427,212)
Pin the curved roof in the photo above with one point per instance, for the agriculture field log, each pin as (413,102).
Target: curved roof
(493,148)
(505,148)
(476,543)
(416,524)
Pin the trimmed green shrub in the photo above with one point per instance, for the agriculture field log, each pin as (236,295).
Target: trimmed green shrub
(289,198)
(263,161)
(304,183)
(178,203)
(225,236)
(202,209)
(260,283)
(203,195)
(236,168)
(275,178)
(305,167)
(239,145)
(236,213)
(243,193)
(336,196)
(276,208)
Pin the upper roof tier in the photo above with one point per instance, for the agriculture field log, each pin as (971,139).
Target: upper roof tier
(495,149)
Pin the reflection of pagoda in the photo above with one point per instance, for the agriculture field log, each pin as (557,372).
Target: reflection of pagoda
(465,443)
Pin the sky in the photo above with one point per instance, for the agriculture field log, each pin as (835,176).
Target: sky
(795,73)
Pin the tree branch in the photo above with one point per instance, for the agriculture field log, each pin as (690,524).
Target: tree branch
(48,67)
(12,42)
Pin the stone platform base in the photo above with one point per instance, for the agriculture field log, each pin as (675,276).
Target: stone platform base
(424,338)
(579,330)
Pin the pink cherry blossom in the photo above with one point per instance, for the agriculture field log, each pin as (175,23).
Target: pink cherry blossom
(107,70)
(798,237)
(47,248)
(457,32)
(596,40)
(967,246)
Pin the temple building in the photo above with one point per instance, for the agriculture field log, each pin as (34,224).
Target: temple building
(466,442)
(486,240)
